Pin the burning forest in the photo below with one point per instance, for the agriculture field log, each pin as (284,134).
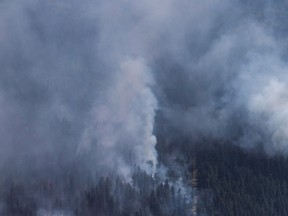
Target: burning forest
(143,108)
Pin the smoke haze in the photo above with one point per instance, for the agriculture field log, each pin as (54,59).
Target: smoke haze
(82,83)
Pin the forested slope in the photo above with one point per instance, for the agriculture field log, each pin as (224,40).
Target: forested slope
(241,182)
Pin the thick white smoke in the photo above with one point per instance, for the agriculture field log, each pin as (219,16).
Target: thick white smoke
(120,127)
(77,78)
(265,86)
(81,81)
(76,85)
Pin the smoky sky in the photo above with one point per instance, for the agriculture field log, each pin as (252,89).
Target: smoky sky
(84,80)
(229,80)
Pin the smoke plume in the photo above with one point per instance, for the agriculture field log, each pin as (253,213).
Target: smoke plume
(85,85)
(72,85)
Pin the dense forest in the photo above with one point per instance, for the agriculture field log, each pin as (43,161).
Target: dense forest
(229,181)
(241,182)
(110,196)
(143,108)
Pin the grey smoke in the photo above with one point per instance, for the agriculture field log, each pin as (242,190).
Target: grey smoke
(73,88)
(83,81)
(77,79)
(229,81)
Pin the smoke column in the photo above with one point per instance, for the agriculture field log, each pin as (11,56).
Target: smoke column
(74,85)
(82,83)
(122,124)
(77,80)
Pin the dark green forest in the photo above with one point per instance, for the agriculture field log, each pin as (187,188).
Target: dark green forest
(232,181)
(229,181)
(110,196)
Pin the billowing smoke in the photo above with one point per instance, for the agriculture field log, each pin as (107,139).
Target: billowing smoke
(82,82)
(121,122)
(230,83)
(76,102)
(77,80)
(72,86)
